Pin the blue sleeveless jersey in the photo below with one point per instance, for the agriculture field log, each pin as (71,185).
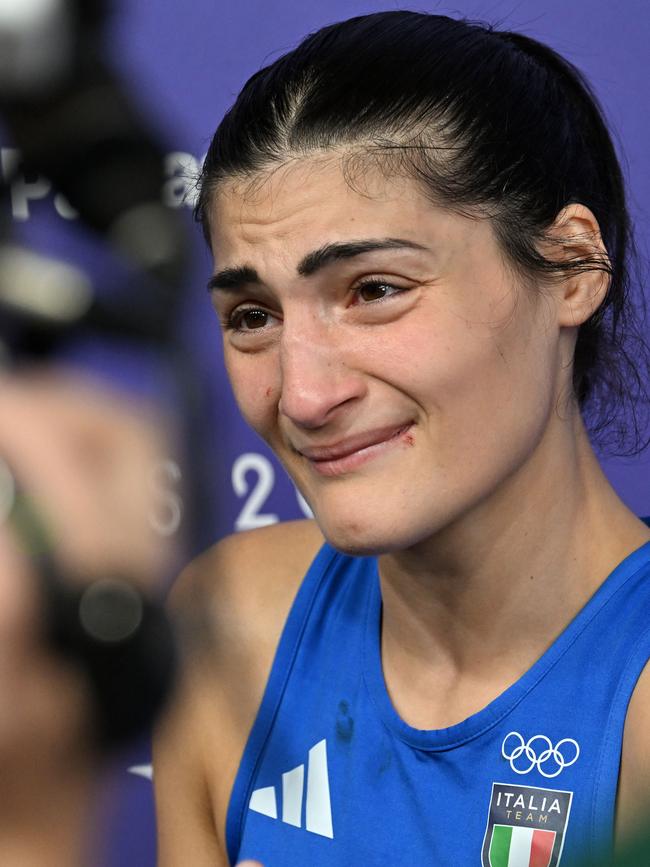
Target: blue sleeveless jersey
(331,775)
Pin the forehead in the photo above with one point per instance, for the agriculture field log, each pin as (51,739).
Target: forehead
(296,205)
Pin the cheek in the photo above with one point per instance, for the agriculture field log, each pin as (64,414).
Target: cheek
(256,389)
(480,379)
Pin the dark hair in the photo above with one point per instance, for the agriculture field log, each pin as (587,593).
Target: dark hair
(488,122)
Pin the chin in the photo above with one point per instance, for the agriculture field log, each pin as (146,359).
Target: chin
(360,537)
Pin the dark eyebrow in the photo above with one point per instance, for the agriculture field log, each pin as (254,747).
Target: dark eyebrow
(231,279)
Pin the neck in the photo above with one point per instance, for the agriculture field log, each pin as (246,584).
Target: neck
(503,580)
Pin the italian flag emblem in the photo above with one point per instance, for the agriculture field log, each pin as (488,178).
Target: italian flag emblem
(520,847)
(526,826)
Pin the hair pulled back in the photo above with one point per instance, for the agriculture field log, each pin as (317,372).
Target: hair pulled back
(487,122)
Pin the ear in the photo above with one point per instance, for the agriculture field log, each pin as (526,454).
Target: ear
(574,235)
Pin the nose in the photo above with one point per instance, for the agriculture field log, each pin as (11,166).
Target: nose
(318,379)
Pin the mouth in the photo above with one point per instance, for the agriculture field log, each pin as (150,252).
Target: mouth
(347,455)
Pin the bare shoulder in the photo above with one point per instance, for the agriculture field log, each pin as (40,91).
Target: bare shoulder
(633,798)
(231,604)
(236,598)
(268,552)
(250,578)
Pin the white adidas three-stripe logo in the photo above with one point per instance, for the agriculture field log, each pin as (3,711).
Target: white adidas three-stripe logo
(318,811)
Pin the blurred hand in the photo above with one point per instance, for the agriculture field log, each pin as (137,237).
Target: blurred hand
(82,456)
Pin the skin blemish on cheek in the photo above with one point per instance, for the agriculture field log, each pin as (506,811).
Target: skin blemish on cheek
(269,391)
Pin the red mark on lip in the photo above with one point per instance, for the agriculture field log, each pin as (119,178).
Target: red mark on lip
(409,439)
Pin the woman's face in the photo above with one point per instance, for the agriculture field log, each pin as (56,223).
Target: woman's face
(400,386)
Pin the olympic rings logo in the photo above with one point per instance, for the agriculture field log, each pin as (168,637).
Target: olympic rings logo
(550,761)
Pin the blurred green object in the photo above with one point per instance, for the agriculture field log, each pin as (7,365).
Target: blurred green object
(635,853)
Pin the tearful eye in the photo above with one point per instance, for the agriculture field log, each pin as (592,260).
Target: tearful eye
(377,290)
(250,319)
(253,318)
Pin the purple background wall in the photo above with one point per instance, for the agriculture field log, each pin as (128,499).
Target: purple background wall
(186,63)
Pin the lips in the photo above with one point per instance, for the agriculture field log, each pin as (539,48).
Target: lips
(350,445)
